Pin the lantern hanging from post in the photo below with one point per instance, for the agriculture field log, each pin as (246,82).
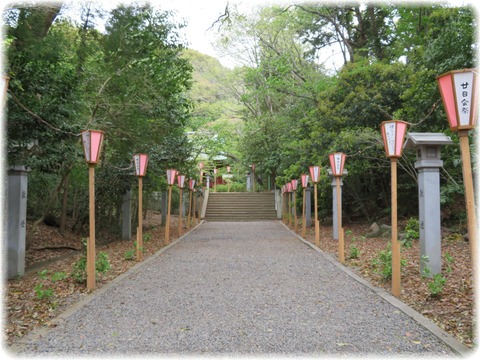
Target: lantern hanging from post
(315,176)
(304,220)
(393,133)
(92,145)
(181,185)
(459,94)
(141,162)
(92,141)
(170,181)
(458,91)
(337,163)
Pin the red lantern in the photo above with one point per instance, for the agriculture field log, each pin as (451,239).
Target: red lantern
(92,145)
(228,168)
(458,90)
(315,173)
(200,165)
(181,181)
(337,162)
(171,176)
(253,167)
(289,187)
(393,133)
(215,171)
(141,162)
(305,180)
(191,184)
(294,183)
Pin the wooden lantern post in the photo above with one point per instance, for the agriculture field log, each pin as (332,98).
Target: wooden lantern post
(181,185)
(459,94)
(141,162)
(92,146)
(337,163)
(191,187)
(304,220)
(315,177)
(170,181)
(294,183)
(393,134)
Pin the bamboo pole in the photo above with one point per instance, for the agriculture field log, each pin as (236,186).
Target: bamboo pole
(396,260)
(180,215)
(167,225)
(304,222)
(91,239)
(140,220)
(317,223)
(341,240)
(469,196)
(194,209)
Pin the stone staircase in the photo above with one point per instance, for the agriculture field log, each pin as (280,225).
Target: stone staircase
(241,206)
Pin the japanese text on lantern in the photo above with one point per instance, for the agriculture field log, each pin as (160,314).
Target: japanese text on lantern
(463,92)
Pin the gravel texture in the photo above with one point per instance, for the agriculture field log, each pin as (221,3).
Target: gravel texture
(247,288)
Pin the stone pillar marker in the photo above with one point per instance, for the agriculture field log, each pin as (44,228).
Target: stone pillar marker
(334,200)
(308,206)
(16,218)
(428,147)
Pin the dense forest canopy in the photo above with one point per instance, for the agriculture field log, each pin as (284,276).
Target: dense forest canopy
(281,109)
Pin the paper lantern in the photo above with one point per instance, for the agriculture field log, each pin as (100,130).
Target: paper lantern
(393,133)
(337,162)
(458,90)
(141,162)
(92,145)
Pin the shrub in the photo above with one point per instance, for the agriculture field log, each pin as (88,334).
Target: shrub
(412,232)
(79,272)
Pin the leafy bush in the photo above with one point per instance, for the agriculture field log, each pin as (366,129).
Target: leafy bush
(42,293)
(79,272)
(383,263)
(354,252)
(436,285)
(412,232)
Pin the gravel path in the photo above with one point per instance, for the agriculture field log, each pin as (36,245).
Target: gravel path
(238,288)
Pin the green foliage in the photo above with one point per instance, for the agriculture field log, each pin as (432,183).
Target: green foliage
(79,271)
(412,232)
(383,263)
(436,285)
(42,293)
(354,252)
(59,276)
(129,254)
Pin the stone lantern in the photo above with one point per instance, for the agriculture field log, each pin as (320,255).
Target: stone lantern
(428,148)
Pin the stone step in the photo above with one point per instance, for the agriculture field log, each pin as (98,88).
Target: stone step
(241,206)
